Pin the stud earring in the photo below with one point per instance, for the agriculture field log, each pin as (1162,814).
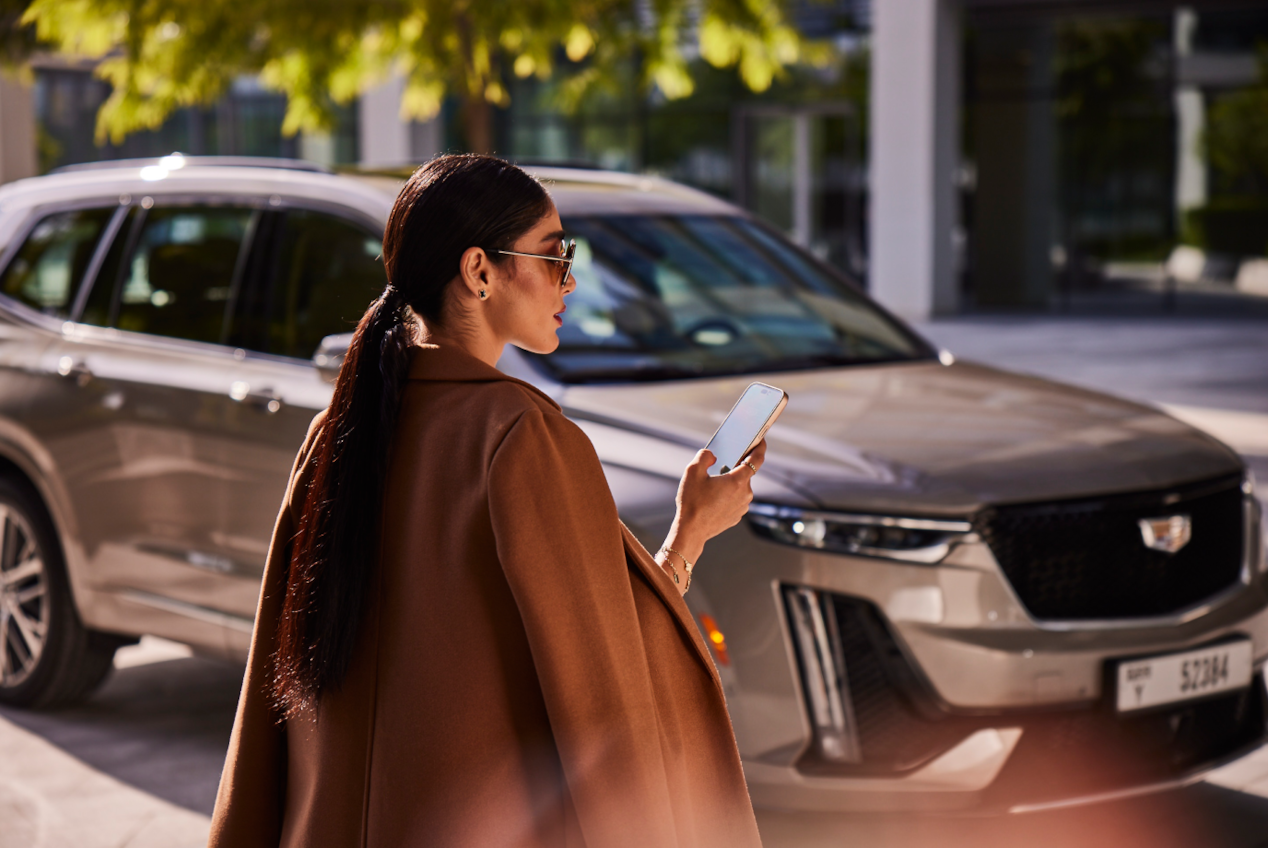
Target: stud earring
(483,294)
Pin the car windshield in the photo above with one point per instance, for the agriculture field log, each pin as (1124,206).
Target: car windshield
(664,296)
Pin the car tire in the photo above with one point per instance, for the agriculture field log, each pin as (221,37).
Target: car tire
(47,657)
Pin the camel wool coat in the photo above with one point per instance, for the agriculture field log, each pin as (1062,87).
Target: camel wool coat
(527,675)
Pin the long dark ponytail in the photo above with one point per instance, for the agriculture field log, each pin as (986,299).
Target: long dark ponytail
(449,205)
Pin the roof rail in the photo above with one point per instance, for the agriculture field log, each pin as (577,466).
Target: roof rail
(180,160)
(544,162)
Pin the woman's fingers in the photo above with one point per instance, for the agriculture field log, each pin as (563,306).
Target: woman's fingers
(700,464)
(757,456)
(751,462)
(709,504)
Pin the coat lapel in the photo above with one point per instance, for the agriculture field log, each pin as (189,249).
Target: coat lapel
(668,593)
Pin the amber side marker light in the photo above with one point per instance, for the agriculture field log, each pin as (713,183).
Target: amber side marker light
(716,639)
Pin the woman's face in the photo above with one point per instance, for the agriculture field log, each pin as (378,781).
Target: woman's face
(527,308)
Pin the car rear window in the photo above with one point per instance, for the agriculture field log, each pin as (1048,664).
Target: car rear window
(327,272)
(49,268)
(664,296)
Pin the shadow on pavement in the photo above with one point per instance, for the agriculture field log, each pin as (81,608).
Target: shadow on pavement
(1201,816)
(162,728)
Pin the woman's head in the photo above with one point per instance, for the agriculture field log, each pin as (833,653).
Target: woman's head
(444,251)
(445,248)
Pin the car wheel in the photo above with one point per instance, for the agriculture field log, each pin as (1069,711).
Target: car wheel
(47,657)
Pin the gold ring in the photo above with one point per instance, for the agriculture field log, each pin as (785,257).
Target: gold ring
(751,466)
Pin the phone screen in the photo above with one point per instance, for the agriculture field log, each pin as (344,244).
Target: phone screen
(746,420)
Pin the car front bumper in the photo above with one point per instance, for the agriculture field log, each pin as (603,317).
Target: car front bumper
(958,696)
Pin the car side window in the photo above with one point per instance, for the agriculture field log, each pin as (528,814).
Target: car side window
(327,272)
(49,268)
(100,298)
(180,277)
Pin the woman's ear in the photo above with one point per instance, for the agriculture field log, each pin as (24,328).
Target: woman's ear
(473,270)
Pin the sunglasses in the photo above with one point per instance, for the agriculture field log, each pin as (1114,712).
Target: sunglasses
(570,253)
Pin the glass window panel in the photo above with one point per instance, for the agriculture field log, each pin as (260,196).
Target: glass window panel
(660,296)
(49,268)
(328,271)
(179,279)
(101,297)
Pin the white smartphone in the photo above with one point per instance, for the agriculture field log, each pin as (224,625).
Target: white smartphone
(745,425)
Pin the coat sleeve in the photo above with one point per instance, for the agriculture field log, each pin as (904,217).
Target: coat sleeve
(559,541)
(252,793)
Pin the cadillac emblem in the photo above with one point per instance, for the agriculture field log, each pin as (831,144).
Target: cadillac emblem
(1167,534)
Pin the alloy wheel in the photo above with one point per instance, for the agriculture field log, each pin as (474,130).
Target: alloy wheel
(24,599)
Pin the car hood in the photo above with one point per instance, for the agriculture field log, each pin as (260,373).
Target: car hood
(914,437)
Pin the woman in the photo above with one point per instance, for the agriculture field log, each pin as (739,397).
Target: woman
(458,643)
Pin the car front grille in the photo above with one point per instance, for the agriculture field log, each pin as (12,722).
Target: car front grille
(1087,559)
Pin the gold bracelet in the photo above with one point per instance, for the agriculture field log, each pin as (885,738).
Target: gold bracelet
(688,564)
(670,563)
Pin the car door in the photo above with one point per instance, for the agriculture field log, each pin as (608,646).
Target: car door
(46,273)
(137,427)
(315,273)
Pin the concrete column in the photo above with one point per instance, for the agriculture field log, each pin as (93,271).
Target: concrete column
(1191,164)
(915,149)
(427,139)
(17,130)
(388,141)
(802,200)
(1190,122)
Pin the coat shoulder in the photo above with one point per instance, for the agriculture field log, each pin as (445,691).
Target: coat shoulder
(527,409)
(514,396)
(511,404)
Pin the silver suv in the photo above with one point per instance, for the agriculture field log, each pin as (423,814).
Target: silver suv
(957,586)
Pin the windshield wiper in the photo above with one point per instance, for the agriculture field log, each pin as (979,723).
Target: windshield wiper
(823,360)
(636,372)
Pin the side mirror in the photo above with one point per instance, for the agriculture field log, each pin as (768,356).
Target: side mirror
(329,356)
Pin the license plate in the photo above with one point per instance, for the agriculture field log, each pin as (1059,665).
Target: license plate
(1172,678)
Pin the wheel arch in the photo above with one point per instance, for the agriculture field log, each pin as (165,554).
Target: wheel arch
(18,462)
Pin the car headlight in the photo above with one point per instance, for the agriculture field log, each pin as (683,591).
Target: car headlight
(918,540)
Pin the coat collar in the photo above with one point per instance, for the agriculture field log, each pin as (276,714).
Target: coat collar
(452,364)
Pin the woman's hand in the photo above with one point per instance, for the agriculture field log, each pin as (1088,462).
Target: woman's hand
(708,505)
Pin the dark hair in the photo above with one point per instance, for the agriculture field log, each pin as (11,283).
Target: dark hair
(449,205)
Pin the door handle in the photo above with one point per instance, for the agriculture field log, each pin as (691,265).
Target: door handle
(265,400)
(72,368)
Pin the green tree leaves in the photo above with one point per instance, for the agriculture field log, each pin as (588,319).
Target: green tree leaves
(162,55)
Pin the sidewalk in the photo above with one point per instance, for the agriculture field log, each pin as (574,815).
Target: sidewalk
(136,767)
(1219,363)
(49,799)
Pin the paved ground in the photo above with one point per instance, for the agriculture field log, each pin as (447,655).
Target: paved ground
(137,765)
(1204,362)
